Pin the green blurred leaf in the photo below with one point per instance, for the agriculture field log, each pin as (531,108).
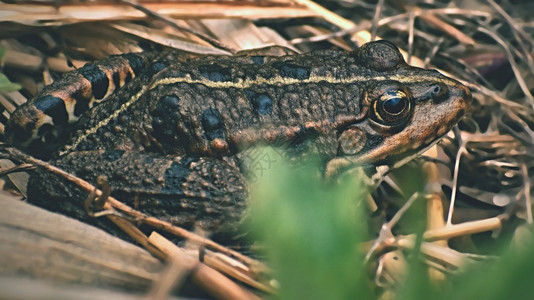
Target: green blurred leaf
(508,277)
(6,85)
(311,229)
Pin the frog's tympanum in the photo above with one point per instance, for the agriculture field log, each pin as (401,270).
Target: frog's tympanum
(171,133)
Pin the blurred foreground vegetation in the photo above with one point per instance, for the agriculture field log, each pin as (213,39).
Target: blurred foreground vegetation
(312,232)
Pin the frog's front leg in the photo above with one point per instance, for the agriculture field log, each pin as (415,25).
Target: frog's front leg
(186,191)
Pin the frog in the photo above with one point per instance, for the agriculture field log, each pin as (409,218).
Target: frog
(175,135)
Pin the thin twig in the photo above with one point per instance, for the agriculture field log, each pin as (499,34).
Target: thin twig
(173,24)
(214,282)
(456,169)
(114,203)
(526,188)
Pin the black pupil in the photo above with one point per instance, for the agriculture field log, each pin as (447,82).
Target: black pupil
(394,105)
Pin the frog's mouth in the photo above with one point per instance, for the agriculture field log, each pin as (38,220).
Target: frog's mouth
(430,121)
(381,170)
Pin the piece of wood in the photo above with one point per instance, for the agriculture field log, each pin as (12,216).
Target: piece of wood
(215,283)
(39,244)
(25,288)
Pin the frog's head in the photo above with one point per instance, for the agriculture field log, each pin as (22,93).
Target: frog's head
(406,110)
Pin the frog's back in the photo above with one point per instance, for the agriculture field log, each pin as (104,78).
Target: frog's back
(191,101)
(215,106)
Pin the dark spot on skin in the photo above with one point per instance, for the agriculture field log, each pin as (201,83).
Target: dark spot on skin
(44,129)
(128,77)
(116,80)
(291,70)
(135,61)
(216,73)
(53,107)
(168,103)
(155,67)
(98,79)
(17,134)
(82,103)
(212,123)
(262,103)
(41,150)
(380,55)
(112,155)
(259,60)
(51,139)
(175,176)
(166,116)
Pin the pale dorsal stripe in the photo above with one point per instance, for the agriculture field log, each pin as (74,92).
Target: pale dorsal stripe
(244,84)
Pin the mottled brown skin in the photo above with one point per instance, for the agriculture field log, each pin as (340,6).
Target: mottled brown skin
(351,108)
(203,192)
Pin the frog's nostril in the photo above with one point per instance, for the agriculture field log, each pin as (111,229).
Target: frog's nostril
(438,92)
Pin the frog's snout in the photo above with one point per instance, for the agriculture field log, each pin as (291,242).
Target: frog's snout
(462,99)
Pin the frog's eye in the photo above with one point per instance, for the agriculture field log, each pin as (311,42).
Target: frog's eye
(392,108)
